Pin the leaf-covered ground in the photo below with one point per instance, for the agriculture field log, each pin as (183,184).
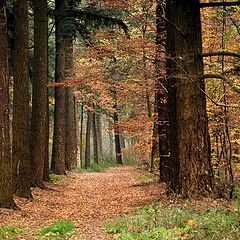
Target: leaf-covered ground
(87,199)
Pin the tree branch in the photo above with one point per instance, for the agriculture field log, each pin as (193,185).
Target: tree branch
(224,78)
(232,54)
(219,4)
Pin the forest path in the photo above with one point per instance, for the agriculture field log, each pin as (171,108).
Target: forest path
(88,199)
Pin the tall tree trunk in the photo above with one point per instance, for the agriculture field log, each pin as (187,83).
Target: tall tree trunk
(58,152)
(99,133)
(70,117)
(88,140)
(39,133)
(165,164)
(21,97)
(195,171)
(110,135)
(81,135)
(6,196)
(171,69)
(117,139)
(95,140)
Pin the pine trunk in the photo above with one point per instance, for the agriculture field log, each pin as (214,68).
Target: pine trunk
(39,133)
(70,117)
(21,102)
(95,140)
(88,140)
(58,152)
(195,171)
(6,196)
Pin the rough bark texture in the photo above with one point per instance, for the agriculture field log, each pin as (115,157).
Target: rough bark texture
(162,124)
(6,196)
(21,97)
(87,139)
(39,133)
(70,117)
(58,152)
(172,102)
(195,172)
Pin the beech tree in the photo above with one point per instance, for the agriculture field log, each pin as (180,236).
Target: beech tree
(6,195)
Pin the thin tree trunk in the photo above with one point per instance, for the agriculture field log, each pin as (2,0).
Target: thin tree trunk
(21,101)
(6,196)
(81,136)
(95,140)
(99,133)
(110,135)
(117,139)
(88,140)
(39,126)
(58,151)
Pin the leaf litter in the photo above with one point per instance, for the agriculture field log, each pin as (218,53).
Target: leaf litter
(87,199)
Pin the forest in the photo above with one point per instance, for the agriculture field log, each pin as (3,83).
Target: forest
(119,119)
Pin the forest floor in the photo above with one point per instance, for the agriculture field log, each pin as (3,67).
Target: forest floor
(87,199)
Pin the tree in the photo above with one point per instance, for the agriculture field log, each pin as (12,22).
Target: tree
(40,119)
(70,115)
(58,152)
(21,101)
(6,196)
(88,140)
(193,150)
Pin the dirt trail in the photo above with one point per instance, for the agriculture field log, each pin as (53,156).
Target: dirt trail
(88,199)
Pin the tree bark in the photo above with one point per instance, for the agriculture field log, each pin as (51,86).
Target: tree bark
(58,152)
(21,101)
(6,196)
(70,117)
(39,123)
(190,119)
(88,140)
(99,133)
(95,140)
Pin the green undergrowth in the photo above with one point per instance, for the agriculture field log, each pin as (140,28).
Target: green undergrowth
(60,230)
(165,222)
(9,232)
(103,165)
(55,179)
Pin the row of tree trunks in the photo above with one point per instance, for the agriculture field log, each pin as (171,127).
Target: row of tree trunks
(6,195)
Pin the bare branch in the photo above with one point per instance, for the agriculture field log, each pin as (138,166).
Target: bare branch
(224,78)
(219,4)
(223,53)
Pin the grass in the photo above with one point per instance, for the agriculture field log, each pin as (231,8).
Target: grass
(60,230)
(55,178)
(159,222)
(10,233)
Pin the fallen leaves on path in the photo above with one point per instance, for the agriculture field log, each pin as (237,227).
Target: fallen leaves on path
(88,199)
